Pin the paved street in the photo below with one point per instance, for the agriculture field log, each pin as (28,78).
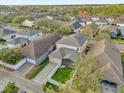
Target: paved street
(21,82)
(42,76)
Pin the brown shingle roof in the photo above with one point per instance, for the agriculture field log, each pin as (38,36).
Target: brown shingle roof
(40,46)
(109,60)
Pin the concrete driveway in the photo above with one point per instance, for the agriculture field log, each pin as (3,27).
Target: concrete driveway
(42,77)
(24,84)
(24,69)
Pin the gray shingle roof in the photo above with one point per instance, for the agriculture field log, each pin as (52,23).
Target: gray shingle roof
(74,40)
(28,32)
(76,25)
(19,40)
(109,60)
(61,53)
(40,46)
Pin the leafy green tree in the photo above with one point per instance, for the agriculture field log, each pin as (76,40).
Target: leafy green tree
(10,88)
(87,76)
(11,56)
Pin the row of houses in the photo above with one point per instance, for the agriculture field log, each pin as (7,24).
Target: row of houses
(18,38)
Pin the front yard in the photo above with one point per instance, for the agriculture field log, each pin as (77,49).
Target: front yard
(63,74)
(10,88)
(36,70)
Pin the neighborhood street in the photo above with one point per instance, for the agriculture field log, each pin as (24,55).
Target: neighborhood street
(21,82)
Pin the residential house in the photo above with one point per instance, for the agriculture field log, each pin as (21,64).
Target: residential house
(38,50)
(112,30)
(28,23)
(18,42)
(119,21)
(64,56)
(87,19)
(76,26)
(30,34)
(121,29)
(109,19)
(76,42)
(108,59)
(95,18)
(101,22)
(6,33)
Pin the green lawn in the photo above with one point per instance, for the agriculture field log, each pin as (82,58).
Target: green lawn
(36,70)
(122,89)
(63,74)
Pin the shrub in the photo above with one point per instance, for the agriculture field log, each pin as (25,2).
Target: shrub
(11,56)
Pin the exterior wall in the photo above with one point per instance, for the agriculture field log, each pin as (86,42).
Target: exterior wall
(16,66)
(78,49)
(89,22)
(66,46)
(120,24)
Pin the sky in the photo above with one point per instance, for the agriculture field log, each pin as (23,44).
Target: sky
(58,2)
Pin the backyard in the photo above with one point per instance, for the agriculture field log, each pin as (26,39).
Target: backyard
(63,74)
(36,70)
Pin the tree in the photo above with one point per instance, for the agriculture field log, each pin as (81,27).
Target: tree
(102,35)
(11,56)
(54,26)
(10,88)
(87,76)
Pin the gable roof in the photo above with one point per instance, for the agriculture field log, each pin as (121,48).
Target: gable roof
(109,60)
(76,25)
(73,40)
(66,53)
(6,30)
(40,46)
(30,32)
(19,40)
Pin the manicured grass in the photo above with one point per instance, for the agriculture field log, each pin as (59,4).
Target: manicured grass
(36,70)
(63,74)
(122,89)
